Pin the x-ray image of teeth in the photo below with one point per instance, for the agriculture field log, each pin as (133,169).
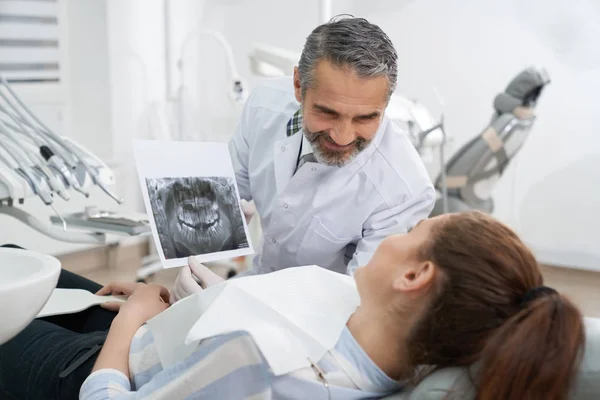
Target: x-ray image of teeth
(196,216)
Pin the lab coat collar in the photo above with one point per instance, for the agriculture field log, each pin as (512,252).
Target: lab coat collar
(306,146)
(285,156)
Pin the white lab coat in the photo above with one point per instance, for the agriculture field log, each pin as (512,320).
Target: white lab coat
(323,215)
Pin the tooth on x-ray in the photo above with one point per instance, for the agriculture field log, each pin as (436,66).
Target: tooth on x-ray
(196,216)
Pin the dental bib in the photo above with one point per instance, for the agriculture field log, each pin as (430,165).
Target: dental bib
(294,315)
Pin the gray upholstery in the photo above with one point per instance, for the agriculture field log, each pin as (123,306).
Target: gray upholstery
(474,169)
(455,383)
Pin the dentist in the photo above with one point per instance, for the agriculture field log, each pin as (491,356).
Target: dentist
(330,174)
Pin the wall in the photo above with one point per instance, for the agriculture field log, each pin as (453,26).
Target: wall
(137,66)
(88,61)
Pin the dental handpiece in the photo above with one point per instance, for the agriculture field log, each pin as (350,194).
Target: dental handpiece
(78,150)
(102,186)
(44,129)
(38,165)
(50,156)
(56,161)
(39,186)
(28,129)
(37,183)
(62,168)
(62,142)
(54,183)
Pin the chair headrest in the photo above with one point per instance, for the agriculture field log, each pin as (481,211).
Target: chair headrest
(522,91)
(457,380)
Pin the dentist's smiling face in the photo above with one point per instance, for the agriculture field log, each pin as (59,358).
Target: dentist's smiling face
(341,111)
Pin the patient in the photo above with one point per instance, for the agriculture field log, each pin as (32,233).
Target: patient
(456,289)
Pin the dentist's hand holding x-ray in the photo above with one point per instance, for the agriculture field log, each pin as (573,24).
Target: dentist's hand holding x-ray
(331,176)
(186,285)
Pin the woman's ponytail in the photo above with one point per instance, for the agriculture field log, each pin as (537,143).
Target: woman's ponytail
(535,353)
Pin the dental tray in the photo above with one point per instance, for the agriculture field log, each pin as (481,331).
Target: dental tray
(107,222)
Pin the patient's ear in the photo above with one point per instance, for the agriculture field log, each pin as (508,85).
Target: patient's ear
(415,277)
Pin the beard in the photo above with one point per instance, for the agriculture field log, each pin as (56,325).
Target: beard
(335,158)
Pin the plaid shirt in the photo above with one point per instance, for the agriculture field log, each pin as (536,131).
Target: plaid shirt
(295,123)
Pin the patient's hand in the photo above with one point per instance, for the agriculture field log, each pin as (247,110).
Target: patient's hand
(186,285)
(145,303)
(127,289)
(119,288)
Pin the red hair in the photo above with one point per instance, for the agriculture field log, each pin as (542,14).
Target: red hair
(527,351)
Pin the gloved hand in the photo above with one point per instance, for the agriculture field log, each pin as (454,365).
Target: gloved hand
(248,209)
(186,285)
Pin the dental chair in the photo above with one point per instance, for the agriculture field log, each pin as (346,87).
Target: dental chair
(456,383)
(472,172)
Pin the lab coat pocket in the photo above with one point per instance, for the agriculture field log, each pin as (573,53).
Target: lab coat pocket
(320,246)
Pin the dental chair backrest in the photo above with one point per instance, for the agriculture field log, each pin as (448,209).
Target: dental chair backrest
(456,383)
(475,168)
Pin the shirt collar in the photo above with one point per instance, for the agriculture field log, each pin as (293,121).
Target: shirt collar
(360,368)
(294,126)
(306,146)
(295,123)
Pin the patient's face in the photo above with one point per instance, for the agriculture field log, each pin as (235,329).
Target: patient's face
(391,259)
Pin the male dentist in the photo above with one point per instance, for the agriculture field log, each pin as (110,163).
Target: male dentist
(330,174)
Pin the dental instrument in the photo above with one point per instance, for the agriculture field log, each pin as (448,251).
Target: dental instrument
(36,162)
(20,118)
(33,176)
(35,134)
(79,155)
(30,133)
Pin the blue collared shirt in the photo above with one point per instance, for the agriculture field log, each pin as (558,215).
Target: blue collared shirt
(231,367)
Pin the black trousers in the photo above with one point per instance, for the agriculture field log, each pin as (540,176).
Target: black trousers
(52,356)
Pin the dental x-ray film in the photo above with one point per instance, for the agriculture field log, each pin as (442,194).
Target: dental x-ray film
(192,201)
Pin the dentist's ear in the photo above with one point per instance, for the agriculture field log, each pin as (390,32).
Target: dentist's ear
(297,86)
(416,277)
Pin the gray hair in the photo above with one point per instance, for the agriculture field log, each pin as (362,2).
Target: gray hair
(349,42)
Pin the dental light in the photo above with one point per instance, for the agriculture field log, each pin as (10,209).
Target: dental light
(237,92)
(36,162)
(238,88)
(271,61)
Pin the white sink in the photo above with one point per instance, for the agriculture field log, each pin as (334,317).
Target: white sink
(27,279)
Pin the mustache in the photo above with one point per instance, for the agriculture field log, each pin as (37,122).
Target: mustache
(359,143)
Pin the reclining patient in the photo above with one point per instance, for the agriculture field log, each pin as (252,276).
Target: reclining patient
(455,290)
